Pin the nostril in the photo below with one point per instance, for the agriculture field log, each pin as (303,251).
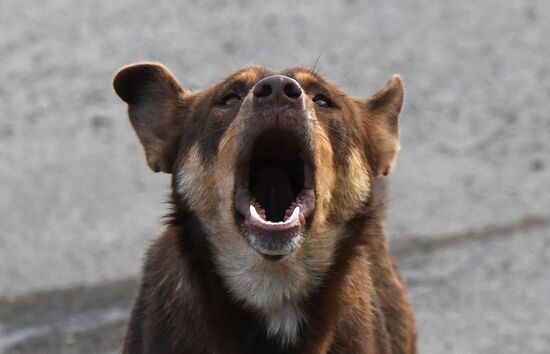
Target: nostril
(292,90)
(263,90)
(277,88)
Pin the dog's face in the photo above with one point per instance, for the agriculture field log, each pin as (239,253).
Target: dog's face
(272,164)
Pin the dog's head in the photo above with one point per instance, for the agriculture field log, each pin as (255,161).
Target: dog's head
(273,164)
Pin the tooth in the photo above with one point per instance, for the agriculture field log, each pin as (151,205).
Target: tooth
(294,216)
(255,214)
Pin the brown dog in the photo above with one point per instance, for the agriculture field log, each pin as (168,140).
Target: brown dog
(275,243)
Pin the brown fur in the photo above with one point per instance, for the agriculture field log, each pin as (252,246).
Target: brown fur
(204,290)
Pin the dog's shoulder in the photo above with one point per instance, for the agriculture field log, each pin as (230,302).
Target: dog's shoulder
(166,296)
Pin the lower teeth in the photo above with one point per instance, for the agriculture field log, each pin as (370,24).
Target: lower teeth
(293,217)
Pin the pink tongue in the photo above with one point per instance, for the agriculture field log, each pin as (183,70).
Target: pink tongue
(273,190)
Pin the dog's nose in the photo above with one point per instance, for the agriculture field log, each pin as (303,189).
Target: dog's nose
(277,88)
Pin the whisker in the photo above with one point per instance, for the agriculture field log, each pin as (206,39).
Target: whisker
(314,69)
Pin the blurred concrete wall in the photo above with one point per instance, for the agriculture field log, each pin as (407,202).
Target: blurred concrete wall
(78,204)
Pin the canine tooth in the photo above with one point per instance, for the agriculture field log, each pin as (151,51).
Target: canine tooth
(255,214)
(294,216)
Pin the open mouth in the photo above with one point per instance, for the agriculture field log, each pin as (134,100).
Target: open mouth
(275,191)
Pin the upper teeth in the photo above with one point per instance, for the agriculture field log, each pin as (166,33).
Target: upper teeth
(254,214)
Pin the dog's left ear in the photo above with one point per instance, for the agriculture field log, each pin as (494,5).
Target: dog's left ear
(382,112)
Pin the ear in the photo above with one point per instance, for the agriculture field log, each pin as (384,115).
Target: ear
(382,114)
(153,96)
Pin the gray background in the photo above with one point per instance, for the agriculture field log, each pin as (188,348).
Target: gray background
(469,220)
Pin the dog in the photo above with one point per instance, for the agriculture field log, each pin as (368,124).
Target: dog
(275,242)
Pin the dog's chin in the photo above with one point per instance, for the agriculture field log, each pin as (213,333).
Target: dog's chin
(274,240)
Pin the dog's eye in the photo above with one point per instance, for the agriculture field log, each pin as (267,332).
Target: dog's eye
(230,99)
(322,101)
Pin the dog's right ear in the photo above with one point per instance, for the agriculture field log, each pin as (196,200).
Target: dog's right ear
(153,96)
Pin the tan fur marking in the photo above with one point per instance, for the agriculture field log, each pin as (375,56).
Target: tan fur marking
(247,75)
(358,187)
(196,184)
(305,77)
(324,173)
